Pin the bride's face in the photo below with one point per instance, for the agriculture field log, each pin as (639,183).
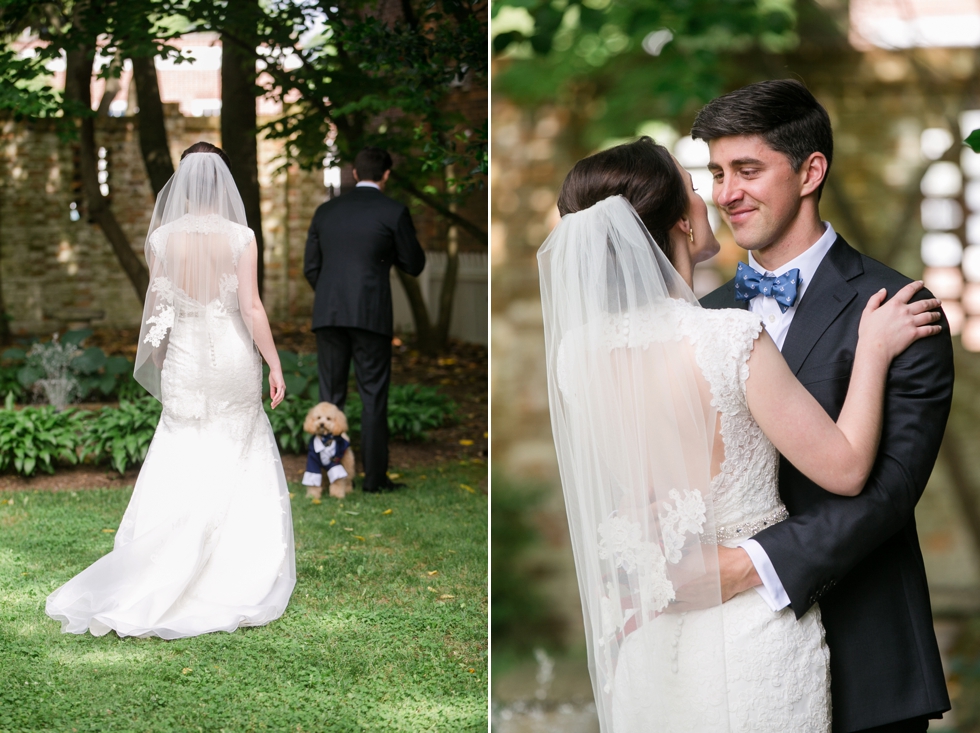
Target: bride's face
(705,244)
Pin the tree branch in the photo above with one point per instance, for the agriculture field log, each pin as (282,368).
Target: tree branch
(476,232)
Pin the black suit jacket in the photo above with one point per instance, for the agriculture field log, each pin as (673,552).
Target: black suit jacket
(352,243)
(860,557)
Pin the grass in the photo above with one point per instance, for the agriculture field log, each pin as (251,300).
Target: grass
(384,633)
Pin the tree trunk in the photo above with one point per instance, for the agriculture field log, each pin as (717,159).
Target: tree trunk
(448,292)
(153,131)
(424,335)
(78,79)
(238,123)
(4,320)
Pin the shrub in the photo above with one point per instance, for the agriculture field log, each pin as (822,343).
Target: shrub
(287,422)
(9,383)
(299,372)
(121,435)
(37,437)
(95,374)
(412,410)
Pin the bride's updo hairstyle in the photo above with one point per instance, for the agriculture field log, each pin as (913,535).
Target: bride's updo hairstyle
(642,172)
(204,147)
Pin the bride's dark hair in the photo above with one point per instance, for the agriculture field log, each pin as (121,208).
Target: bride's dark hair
(204,147)
(643,172)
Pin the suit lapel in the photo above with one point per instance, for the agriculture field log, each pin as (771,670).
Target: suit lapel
(825,298)
(728,295)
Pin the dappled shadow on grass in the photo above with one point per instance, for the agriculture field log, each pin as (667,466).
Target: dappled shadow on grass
(386,629)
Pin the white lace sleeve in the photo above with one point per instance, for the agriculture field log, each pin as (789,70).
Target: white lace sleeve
(158,241)
(243,235)
(723,351)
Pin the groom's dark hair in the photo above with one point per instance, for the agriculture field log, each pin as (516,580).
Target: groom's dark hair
(371,164)
(642,172)
(781,111)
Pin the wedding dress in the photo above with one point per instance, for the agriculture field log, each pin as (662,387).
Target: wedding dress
(660,462)
(776,667)
(206,543)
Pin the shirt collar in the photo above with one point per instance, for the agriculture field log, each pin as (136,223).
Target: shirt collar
(807,261)
(367,184)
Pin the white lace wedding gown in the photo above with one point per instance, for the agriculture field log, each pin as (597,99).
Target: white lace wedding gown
(776,667)
(206,543)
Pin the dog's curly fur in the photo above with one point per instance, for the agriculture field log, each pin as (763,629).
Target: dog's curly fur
(326,418)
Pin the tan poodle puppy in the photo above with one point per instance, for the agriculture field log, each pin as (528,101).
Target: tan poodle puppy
(329,452)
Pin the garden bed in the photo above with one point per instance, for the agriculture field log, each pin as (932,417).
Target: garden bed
(448,392)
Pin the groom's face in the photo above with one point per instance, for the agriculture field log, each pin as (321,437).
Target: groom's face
(755,188)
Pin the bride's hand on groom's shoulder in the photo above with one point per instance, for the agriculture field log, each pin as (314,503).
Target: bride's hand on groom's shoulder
(277,386)
(888,328)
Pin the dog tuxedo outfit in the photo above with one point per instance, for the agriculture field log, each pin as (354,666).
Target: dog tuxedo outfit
(325,452)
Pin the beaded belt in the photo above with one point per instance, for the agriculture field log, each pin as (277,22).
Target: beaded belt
(744,530)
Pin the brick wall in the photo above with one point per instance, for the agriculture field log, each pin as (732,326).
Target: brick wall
(58,273)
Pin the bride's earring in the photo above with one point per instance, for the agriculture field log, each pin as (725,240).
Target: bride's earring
(690,236)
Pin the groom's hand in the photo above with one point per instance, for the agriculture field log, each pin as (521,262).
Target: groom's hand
(736,571)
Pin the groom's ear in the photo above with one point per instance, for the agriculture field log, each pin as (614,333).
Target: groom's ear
(813,171)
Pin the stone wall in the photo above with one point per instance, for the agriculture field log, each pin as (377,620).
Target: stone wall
(58,272)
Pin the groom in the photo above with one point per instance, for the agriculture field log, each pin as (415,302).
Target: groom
(351,246)
(771,148)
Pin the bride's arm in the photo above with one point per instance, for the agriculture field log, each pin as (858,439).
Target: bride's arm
(261,332)
(837,456)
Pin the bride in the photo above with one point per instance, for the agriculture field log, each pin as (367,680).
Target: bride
(668,421)
(206,543)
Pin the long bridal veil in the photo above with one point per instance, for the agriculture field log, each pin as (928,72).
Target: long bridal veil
(634,429)
(199,249)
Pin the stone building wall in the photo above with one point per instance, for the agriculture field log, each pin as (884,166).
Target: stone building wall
(56,272)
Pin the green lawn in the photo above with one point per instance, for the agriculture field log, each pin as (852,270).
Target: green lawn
(384,633)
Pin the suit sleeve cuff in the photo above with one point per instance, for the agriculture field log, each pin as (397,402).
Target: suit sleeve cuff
(771,590)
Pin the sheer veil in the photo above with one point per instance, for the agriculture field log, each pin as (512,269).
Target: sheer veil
(634,428)
(202,259)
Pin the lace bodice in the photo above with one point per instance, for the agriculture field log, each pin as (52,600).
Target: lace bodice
(746,489)
(239,236)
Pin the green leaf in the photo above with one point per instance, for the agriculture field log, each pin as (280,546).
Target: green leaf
(75,338)
(27,375)
(295,384)
(289,361)
(89,361)
(973,140)
(117,365)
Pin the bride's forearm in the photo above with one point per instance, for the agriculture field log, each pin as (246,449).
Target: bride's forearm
(262,335)
(860,417)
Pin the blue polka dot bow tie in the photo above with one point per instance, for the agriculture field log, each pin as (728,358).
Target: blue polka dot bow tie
(749,283)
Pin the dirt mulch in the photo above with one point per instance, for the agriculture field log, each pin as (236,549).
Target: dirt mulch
(460,372)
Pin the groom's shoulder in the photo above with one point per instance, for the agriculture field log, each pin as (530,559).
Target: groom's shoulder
(872,274)
(722,297)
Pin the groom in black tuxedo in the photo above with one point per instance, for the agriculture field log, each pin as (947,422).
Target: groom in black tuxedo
(352,243)
(771,148)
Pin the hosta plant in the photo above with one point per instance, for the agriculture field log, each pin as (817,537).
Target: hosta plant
(120,436)
(37,437)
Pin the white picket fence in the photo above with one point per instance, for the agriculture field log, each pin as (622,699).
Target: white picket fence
(470,305)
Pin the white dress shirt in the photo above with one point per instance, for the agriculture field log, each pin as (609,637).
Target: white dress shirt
(371,184)
(777,324)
